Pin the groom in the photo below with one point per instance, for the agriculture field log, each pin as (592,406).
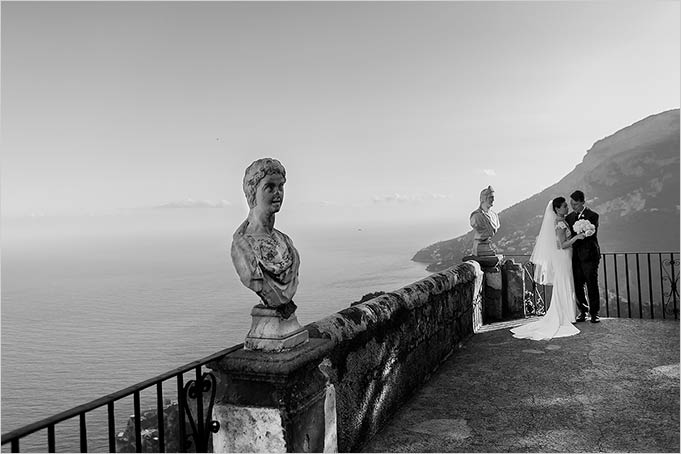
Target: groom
(586,256)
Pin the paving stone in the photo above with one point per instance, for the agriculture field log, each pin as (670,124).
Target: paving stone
(614,387)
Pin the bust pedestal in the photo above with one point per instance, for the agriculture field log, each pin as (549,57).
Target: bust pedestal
(492,303)
(275,402)
(272,333)
(514,290)
(485,261)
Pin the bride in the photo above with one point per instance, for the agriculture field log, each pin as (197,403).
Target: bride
(552,257)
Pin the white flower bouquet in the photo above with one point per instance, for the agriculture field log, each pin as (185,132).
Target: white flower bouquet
(585,227)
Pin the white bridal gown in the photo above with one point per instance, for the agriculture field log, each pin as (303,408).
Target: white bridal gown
(557,322)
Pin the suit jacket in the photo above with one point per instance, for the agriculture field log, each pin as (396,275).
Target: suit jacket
(588,248)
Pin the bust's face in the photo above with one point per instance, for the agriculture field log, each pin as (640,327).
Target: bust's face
(269,195)
(488,202)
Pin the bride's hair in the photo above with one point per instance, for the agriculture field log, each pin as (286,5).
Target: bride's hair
(557,203)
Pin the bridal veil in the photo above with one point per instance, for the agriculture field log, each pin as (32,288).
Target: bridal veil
(546,250)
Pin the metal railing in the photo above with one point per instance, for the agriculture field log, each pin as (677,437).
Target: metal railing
(632,285)
(641,284)
(195,398)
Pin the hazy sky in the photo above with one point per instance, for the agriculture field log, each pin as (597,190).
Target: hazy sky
(375,109)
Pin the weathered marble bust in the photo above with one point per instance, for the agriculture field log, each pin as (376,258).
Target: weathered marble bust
(265,258)
(485,222)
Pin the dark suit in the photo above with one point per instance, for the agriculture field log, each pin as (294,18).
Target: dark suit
(586,256)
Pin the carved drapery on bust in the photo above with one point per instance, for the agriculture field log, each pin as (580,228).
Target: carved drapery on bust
(486,223)
(266,264)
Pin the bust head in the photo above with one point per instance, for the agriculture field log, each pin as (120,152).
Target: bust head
(256,172)
(487,198)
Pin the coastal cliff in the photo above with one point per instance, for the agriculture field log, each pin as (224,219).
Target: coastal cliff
(631,178)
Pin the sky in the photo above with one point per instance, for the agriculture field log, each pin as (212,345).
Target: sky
(379,110)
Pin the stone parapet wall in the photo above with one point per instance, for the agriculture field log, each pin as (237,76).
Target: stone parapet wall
(387,347)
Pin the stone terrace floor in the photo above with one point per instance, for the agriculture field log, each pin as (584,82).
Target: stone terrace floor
(614,387)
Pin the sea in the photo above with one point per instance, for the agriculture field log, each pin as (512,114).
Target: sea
(94,304)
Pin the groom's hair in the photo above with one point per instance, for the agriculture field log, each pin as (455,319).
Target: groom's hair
(577,196)
(557,203)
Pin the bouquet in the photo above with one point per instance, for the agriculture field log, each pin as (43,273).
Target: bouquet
(585,227)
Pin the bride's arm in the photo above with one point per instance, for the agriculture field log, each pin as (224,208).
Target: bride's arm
(563,241)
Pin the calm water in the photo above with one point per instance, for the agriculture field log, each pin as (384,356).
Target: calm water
(90,307)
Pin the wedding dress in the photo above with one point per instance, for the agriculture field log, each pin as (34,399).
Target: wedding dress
(553,266)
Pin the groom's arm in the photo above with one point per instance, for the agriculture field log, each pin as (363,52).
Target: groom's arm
(594,220)
(593,239)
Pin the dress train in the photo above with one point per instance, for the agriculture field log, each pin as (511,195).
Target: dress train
(557,322)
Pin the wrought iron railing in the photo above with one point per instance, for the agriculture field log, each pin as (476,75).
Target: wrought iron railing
(641,284)
(195,398)
(632,284)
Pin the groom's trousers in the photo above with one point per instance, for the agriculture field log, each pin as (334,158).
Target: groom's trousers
(586,273)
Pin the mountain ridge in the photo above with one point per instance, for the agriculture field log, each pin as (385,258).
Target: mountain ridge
(631,174)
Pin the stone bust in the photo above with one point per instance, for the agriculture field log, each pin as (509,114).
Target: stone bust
(265,258)
(485,222)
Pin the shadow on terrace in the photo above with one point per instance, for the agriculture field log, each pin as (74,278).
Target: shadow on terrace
(614,387)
